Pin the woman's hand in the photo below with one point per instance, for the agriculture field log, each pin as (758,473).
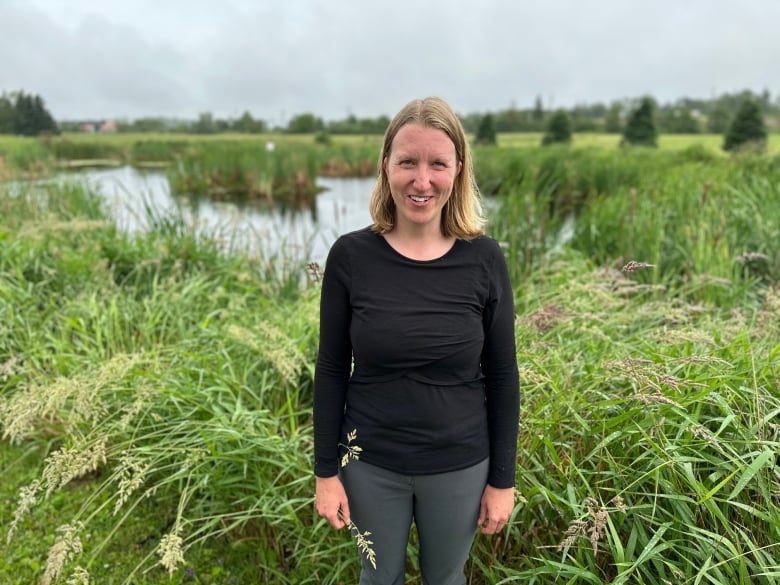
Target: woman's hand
(331,502)
(495,508)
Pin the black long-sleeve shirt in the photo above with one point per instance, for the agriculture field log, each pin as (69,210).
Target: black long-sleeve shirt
(434,386)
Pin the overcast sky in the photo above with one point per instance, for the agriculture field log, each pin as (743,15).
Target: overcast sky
(277,58)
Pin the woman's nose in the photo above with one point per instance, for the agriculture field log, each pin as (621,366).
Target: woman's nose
(422,178)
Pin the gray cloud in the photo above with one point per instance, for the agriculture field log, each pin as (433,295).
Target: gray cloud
(179,58)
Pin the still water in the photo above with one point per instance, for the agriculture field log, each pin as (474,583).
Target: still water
(269,232)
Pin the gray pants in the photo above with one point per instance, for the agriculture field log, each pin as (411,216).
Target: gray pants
(443,506)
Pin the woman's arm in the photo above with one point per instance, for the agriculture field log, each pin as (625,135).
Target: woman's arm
(499,365)
(334,360)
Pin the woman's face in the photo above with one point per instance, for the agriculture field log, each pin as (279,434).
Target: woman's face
(421,171)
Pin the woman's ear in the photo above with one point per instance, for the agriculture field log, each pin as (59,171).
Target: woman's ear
(384,165)
(460,167)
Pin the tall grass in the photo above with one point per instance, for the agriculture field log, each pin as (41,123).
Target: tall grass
(176,382)
(181,374)
(241,171)
(649,438)
(708,224)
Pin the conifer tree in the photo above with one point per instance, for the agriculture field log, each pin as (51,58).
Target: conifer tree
(537,114)
(6,115)
(640,128)
(30,116)
(747,130)
(486,132)
(558,129)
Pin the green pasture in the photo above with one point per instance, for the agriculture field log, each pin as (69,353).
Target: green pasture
(713,142)
(156,392)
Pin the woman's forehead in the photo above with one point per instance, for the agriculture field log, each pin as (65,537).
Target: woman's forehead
(423,138)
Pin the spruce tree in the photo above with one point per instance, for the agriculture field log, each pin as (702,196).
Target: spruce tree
(30,116)
(558,129)
(44,121)
(6,115)
(747,130)
(537,114)
(486,132)
(640,128)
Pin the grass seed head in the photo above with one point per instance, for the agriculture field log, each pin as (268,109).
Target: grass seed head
(64,549)
(170,552)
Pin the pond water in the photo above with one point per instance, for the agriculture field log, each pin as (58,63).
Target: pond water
(305,234)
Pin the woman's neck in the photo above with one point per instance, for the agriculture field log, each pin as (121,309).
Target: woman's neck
(419,244)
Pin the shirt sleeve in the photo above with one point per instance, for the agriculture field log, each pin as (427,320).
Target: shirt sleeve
(334,359)
(499,365)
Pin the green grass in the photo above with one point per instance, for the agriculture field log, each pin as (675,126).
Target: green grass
(710,142)
(154,386)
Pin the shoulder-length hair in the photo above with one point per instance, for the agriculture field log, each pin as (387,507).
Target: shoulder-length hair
(462,215)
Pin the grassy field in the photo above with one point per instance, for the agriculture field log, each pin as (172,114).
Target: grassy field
(155,394)
(712,142)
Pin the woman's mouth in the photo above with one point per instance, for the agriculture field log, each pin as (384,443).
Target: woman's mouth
(418,199)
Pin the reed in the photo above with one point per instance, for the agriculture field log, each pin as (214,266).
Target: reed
(704,222)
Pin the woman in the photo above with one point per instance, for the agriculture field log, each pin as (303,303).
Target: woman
(416,388)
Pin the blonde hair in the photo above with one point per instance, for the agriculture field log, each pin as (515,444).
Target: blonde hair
(462,215)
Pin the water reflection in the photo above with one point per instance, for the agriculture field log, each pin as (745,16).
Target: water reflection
(305,234)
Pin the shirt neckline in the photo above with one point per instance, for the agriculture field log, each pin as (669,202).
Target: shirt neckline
(414,260)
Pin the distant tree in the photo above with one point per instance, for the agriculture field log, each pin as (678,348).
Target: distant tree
(486,132)
(6,115)
(718,120)
(147,125)
(352,125)
(43,117)
(246,123)
(537,114)
(509,120)
(765,98)
(205,124)
(748,129)
(582,121)
(640,127)
(221,125)
(29,116)
(587,117)
(613,123)
(558,129)
(678,120)
(305,124)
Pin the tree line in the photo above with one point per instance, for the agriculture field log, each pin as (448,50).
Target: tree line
(683,116)
(25,114)
(745,129)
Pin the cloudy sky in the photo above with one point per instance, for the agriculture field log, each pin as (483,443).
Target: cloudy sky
(277,58)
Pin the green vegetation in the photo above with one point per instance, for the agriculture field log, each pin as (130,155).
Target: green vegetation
(747,130)
(240,168)
(486,132)
(25,115)
(155,392)
(558,129)
(640,128)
